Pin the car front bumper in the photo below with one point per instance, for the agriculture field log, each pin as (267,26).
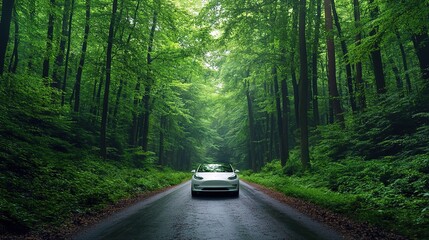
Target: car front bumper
(215,185)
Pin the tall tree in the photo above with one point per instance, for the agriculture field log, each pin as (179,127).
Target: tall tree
(404,63)
(82,57)
(303,86)
(345,57)
(282,137)
(377,60)
(103,140)
(49,39)
(6,17)
(15,56)
(150,80)
(252,128)
(314,60)
(360,88)
(59,59)
(283,82)
(332,80)
(421,45)
(66,65)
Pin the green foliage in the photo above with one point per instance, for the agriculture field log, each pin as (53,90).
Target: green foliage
(391,193)
(396,126)
(47,173)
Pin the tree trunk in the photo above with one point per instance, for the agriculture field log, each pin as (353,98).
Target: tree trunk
(404,63)
(360,87)
(293,41)
(314,59)
(66,66)
(103,142)
(117,102)
(285,120)
(136,116)
(304,87)
(252,140)
(282,150)
(15,57)
(421,45)
(283,109)
(377,60)
(6,17)
(59,59)
(163,125)
(346,58)
(332,80)
(399,82)
(150,81)
(49,39)
(82,57)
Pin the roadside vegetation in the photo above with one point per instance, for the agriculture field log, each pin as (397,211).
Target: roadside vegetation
(50,169)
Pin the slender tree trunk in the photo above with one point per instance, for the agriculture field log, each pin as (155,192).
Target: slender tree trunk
(31,48)
(117,102)
(136,116)
(404,63)
(314,59)
(376,55)
(6,17)
(66,66)
(284,109)
(346,58)
(399,82)
(136,102)
(285,120)
(59,59)
(49,39)
(282,150)
(304,87)
(103,142)
(163,125)
(332,81)
(360,87)
(293,41)
(150,81)
(252,140)
(82,57)
(421,45)
(13,65)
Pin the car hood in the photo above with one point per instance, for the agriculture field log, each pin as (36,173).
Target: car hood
(215,175)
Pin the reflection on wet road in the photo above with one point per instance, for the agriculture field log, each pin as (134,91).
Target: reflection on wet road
(174,214)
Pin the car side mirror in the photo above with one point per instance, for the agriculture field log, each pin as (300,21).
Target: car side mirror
(193,171)
(237,171)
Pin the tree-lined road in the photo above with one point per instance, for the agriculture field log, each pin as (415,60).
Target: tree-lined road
(174,214)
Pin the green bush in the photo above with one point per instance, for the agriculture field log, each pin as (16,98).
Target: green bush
(48,171)
(390,192)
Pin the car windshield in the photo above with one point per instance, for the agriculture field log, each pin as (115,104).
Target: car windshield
(215,168)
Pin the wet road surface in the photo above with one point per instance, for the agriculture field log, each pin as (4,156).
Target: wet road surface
(174,214)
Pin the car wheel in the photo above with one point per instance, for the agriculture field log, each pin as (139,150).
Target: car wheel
(194,193)
(236,193)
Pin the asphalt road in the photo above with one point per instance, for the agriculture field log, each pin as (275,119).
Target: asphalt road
(174,214)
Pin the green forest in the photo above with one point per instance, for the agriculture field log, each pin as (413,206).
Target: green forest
(103,100)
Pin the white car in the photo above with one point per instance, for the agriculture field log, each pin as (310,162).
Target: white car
(215,178)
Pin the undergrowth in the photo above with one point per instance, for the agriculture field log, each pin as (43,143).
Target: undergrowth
(48,172)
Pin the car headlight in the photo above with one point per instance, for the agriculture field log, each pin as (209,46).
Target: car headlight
(198,177)
(233,177)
